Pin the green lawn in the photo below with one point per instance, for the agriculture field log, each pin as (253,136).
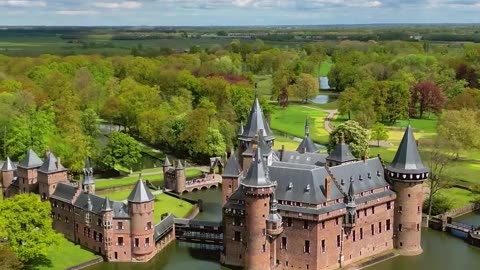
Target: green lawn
(264,84)
(129,180)
(324,67)
(459,197)
(66,254)
(287,142)
(291,120)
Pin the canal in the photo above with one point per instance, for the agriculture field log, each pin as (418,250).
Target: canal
(441,251)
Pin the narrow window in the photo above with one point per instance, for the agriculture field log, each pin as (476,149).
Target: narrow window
(361,233)
(264,248)
(323,246)
(289,222)
(389,205)
(137,242)
(399,209)
(388,224)
(338,240)
(306,247)
(364,212)
(418,227)
(305,224)
(323,224)
(380,227)
(147,241)
(399,227)
(237,236)
(353,235)
(284,243)
(373,209)
(336,221)
(373,229)
(120,241)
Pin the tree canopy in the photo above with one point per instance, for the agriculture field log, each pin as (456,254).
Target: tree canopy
(122,150)
(355,136)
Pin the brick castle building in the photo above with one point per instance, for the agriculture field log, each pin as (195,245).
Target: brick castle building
(123,232)
(305,210)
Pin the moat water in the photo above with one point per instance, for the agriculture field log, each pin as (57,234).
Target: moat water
(441,250)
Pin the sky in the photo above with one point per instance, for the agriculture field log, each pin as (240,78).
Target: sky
(235,12)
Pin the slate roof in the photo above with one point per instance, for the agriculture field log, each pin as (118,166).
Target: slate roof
(163,226)
(107,205)
(257,175)
(140,193)
(31,160)
(262,144)
(51,164)
(307,146)
(232,168)
(256,121)
(366,175)
(179,165)
(407,159)
(8,166)
(301,183)
(64,192)
(88,173)
(304,158)
(167,162)
(341,153)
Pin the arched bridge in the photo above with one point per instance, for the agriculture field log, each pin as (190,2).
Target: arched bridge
(195,231)
(208,181)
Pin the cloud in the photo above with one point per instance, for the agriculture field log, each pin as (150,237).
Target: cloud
(22,3)
(76,12)
(118,5)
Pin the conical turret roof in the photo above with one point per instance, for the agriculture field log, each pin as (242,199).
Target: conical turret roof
(140,193)
(167,162)
(341,153)
(107,205)
(351,195)
(307,145)
(179,165)
(232,168)
(51,164)
(256,121)
(257,175)
(407,159)
(31,160)
(274,216)
(8,166)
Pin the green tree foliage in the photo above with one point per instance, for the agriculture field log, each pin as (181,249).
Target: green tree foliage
(8,259)
(440,205)
(342,76)
(379,133)
(348,101)
(122,150)
(460,129)
(26,225)
(356,137)
(89,122)
(426,97)
(306,87)
(469,99)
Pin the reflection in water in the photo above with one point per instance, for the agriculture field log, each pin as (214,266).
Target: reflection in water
(441,251)
(320,99)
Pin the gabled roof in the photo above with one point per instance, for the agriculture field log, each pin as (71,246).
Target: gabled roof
(140,193)
(8,166)
(341,153)
(407,159)
(232,169)
(304,158)
(88,173)
(167,162)
(256,121)
(51,164)
(31,160)
(257,173)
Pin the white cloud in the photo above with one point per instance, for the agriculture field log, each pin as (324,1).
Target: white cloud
(118,5)
(76,12)
(22,3)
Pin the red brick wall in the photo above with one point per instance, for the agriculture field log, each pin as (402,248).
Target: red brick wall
(141,214)
(257,255)
(234,251)
(229,185)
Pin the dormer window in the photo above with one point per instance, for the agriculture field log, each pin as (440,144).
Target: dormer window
(360,177)
(307,188)
(378,173)
(290,185)
(369,175)
(342,182)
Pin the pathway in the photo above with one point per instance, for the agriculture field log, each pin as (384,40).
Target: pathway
(327,123)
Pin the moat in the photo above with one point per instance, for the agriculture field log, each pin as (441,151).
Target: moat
(441,251)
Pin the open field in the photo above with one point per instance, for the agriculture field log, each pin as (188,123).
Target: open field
(156,176)
(66,254)
(459,197)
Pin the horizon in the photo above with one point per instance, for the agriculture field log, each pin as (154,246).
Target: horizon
(236,12)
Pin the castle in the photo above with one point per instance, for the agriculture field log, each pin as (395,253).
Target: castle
(281,209)
(305,210)
(123,232)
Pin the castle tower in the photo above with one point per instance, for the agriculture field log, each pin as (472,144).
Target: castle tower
(88,183)
(166,165)
(256,121)
(107,217)
(27,172)
(257,188)
(350,219)
(307,145)
(140,209)
(230,177)
(341,154)
(407,174)
(274,229)
(8,174)
(180,178)
(49,175)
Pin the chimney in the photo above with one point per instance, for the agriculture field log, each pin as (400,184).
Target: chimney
(328,182)
(281,152)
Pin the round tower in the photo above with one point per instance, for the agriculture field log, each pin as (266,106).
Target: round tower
(140,209)
(257,189)
(407,174)
(8,174)
(107,216)
(180,178)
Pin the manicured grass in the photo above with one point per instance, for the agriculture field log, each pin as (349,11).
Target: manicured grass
(459,197)
(287,142)
(129,180)
(325,67)
(291,120)
(66,254)
(168,204)
(264,84)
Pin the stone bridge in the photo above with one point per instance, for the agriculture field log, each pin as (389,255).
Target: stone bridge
(209,181)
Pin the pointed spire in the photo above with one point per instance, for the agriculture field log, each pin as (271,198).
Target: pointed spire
(256,121)
(8,166)
(167,162)
(51,164)
(31,160)
(307,128)
(89,203)
(140,192)
(307,145)
(179,165)
(232,167)
(341,153)
(274,216)
(106,206)
(257,174)
(351,195)
(407,159)
(88,173)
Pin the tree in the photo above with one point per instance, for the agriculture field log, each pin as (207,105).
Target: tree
(8,259)
(468,99)
(460,130)
(342,75)
(26,225)
(348,101)
(440,205)
(306,87)
(355,136)
(89,123)
(122,150)
(396,102)
(379,133)
(426,97)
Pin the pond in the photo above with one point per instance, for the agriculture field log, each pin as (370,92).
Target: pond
(321,99)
